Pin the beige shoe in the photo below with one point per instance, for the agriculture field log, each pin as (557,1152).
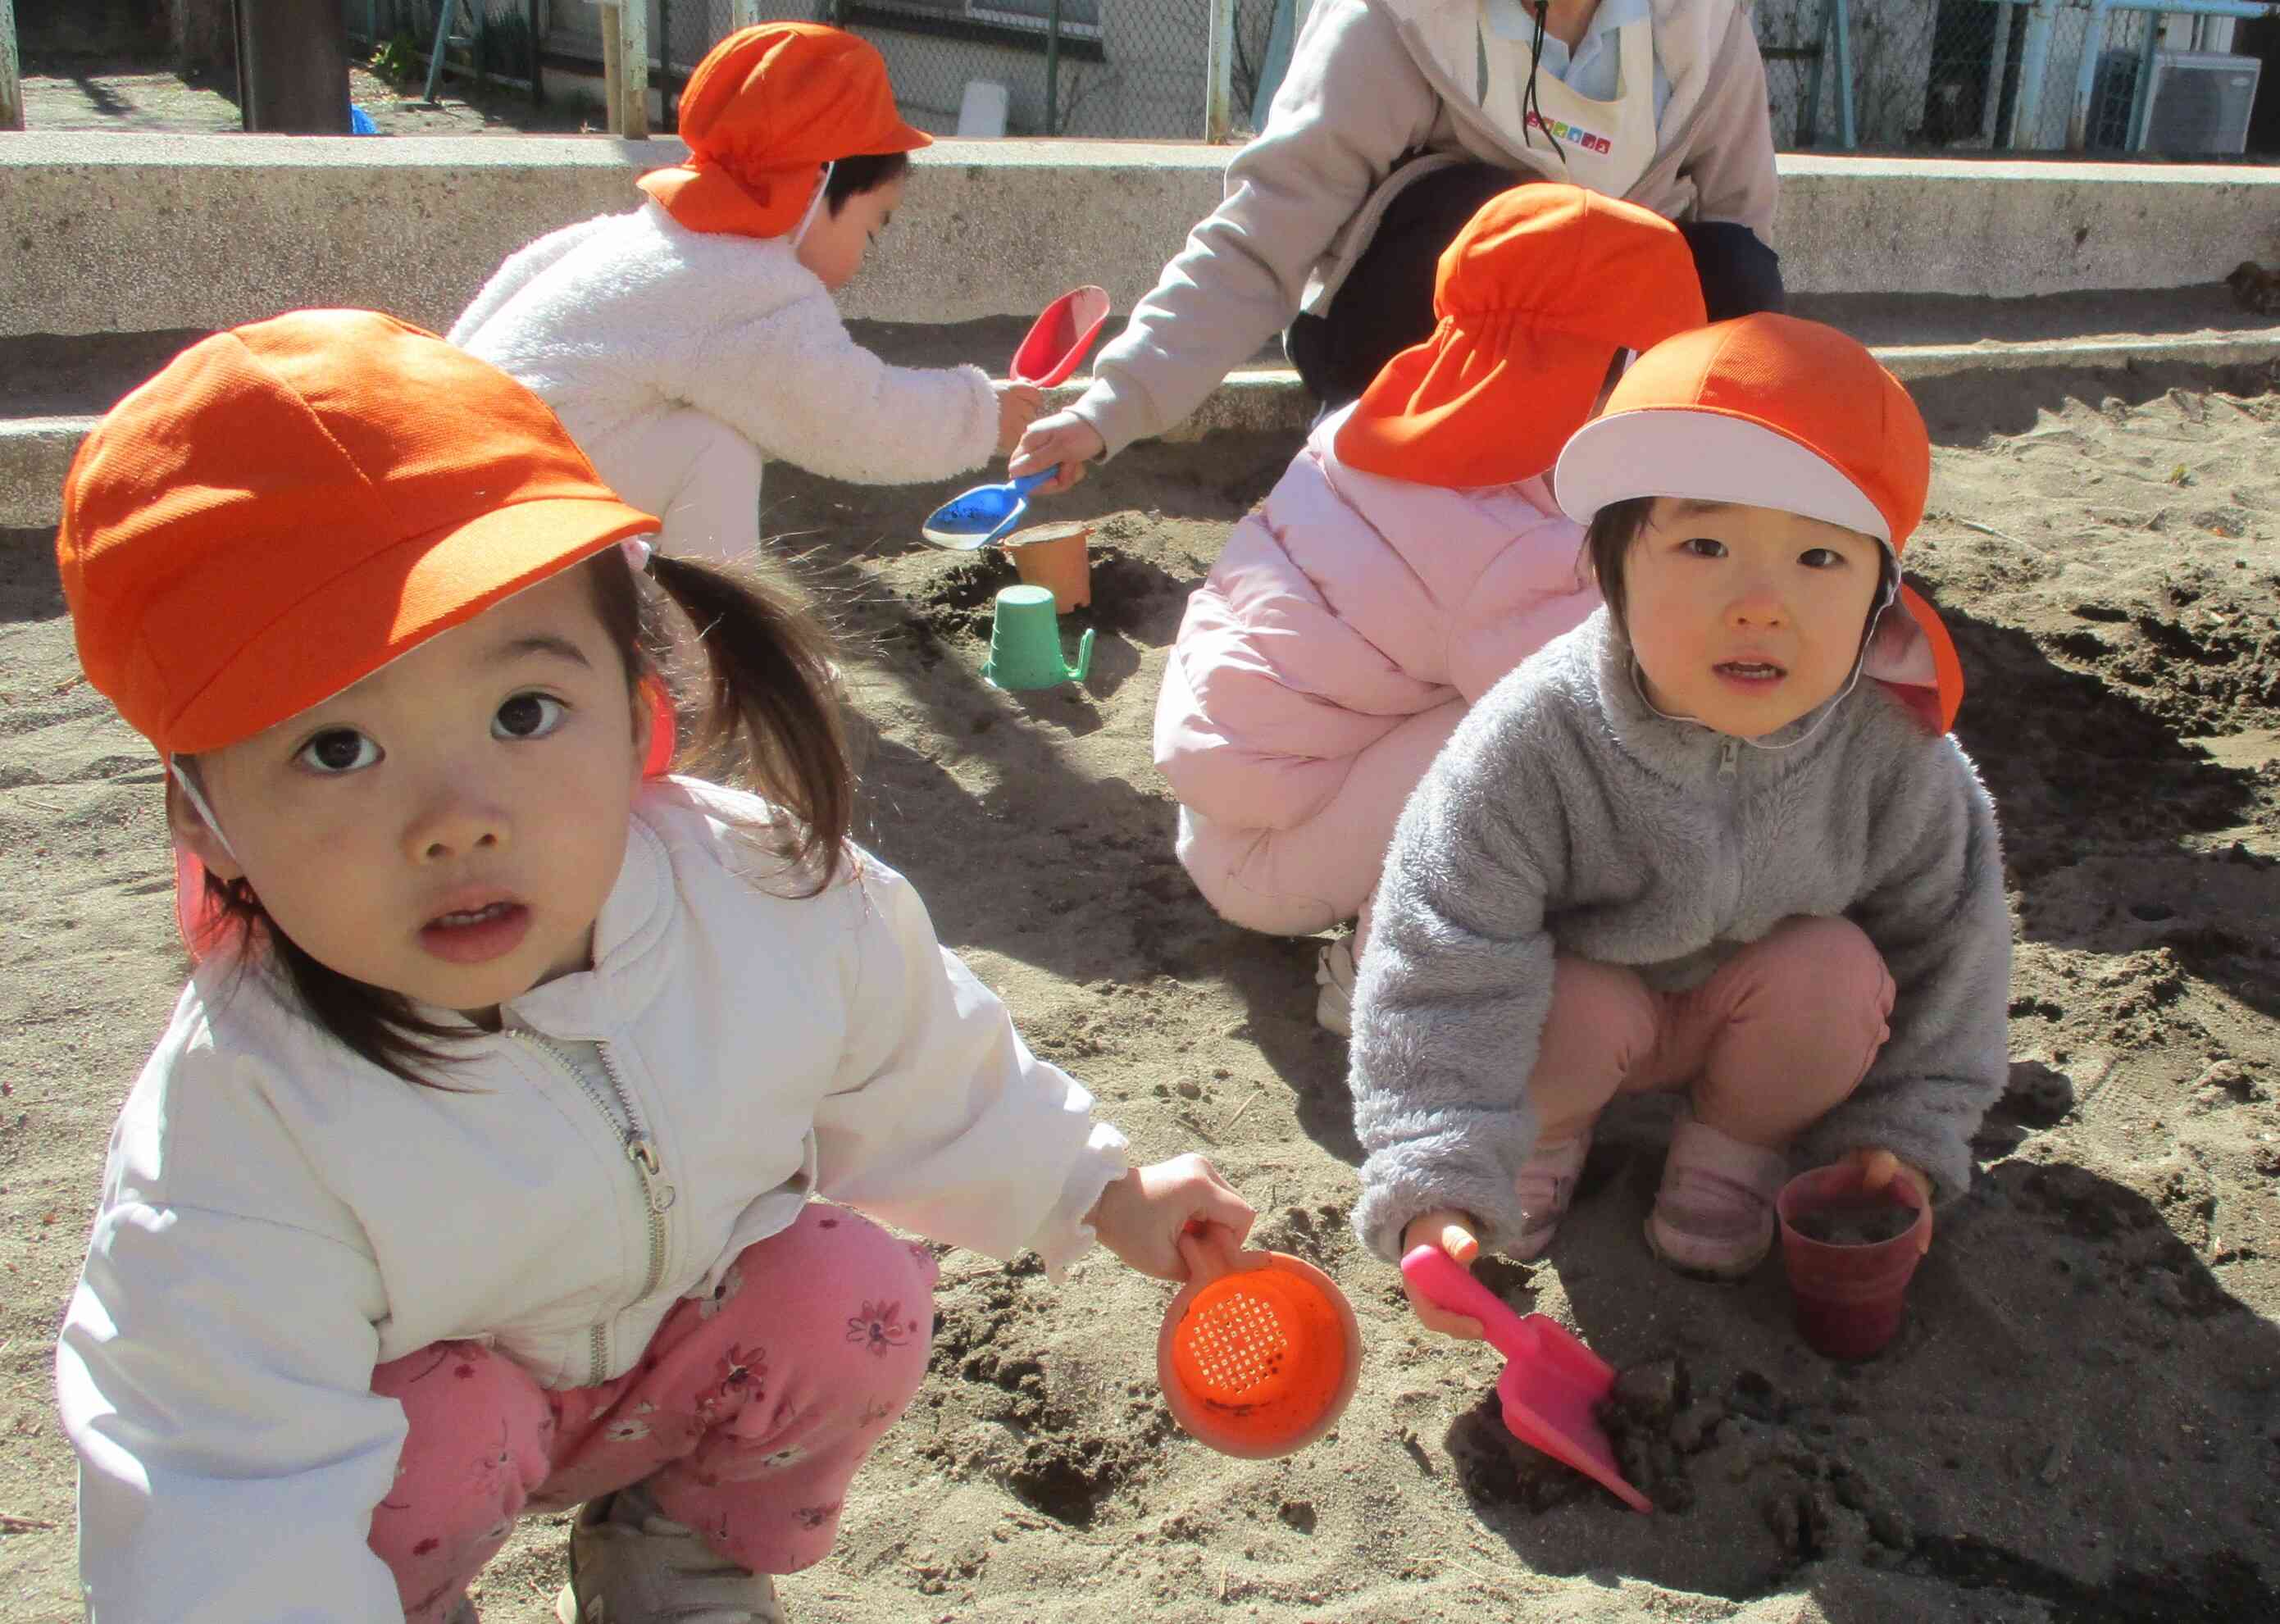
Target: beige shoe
(1545,1184)
(630,1564)
(1334,973)
(1714,1212)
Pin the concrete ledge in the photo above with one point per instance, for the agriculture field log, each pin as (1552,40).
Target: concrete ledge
(34,455)
(36,452)
(116,232)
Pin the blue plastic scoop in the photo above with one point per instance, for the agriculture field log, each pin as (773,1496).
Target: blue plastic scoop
(980,516)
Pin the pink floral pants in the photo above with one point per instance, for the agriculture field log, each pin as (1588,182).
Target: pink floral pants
(748,1414)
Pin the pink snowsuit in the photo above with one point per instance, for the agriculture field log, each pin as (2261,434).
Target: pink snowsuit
(1350,622)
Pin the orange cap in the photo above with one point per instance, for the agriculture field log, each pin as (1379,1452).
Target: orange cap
(291,505)
(766,110)
(1775,412)
(1536,295)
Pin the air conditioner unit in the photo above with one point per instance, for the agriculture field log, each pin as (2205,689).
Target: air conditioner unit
(2200,101)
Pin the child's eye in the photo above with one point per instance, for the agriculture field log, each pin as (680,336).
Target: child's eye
(1704,547)
(1820,558)
(528,716)
(338,749)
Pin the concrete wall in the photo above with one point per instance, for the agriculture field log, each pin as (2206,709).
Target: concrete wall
(129,233)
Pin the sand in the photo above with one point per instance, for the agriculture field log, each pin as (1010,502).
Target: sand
(2080,1418)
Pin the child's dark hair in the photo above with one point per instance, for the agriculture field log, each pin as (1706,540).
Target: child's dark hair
(865,173)
(1608,539)
(768,710)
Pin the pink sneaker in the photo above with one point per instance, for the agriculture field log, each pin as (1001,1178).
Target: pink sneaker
(1714,1212)
(1545,1184)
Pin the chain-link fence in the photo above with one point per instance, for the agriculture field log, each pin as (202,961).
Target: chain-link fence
(1865,74)
(2048,76)
(1044,67)
(500,39)
(1136,68)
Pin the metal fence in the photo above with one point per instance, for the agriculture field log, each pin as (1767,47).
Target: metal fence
(2037,75)
(1036,67)
(1867,74)
(500,39)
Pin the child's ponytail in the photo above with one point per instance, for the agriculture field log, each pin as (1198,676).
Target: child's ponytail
(770,679)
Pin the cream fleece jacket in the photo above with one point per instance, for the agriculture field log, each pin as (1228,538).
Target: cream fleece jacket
(616,321)
(1365,93)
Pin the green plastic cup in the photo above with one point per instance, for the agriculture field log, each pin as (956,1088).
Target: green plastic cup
(1025,643)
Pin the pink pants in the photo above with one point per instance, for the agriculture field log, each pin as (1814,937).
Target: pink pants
(1295,882)
(748,1414)
(1783,1031)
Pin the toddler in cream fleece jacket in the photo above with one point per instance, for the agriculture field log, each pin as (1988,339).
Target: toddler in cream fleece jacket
(685,344)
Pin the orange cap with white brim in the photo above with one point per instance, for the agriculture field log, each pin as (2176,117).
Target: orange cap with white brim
(1770,411)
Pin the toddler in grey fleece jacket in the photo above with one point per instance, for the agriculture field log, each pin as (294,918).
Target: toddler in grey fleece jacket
(1686,847)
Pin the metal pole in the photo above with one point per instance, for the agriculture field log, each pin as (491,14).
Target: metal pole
(1053,68)
(743,13)
(1847,133)
(1219,71)
(2034,65)
(11,83)
(2141,93)
(442,42)
(2085,79)
(1808,118)
(633,62)
(1990,106)
(613,76)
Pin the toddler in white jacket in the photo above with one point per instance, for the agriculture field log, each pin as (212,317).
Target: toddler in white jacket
(506,1148)
(686,343)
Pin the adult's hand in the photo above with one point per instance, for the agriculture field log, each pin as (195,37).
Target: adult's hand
(1064,442)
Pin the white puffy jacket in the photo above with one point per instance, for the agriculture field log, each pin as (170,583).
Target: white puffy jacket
(279,1215)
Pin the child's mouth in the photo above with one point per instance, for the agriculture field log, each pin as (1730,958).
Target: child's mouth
(476,935)
(1750,673)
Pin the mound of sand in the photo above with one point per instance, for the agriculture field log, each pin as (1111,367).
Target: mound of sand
(2081,1420)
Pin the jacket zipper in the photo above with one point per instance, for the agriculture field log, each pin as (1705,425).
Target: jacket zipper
(657,1194)
(1729,751)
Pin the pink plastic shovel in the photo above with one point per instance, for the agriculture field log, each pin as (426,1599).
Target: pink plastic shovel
(1552,1385)
(1059,338)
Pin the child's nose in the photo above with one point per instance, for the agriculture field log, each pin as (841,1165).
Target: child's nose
(458,822)
(1757,606)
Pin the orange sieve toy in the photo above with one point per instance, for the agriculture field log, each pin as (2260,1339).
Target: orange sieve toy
(1260,1353)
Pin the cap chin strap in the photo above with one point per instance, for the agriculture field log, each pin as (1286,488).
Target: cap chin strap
(1885,599)
(822,185)
(189,783)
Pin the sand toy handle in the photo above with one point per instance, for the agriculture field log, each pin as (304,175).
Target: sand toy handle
(1451,1285)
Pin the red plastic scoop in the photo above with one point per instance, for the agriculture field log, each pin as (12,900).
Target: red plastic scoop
(1552,1386)
(1059,338)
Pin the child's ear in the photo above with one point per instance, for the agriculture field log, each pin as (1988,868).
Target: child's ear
(190,832)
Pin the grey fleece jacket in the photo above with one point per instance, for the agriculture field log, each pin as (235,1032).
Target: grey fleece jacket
(1566,817)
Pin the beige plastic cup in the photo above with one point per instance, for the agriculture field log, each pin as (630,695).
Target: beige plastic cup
(1056,557)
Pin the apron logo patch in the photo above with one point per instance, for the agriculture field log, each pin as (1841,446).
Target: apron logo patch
(1559,129)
